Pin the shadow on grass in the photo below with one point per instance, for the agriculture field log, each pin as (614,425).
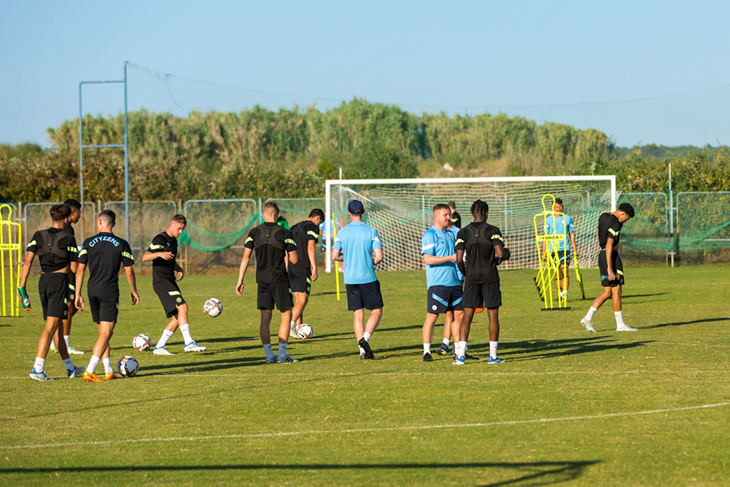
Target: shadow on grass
(540,349)
(629,296)
(693,322)
(544,473)
(213,365)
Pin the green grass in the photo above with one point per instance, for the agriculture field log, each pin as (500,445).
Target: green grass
(567,407)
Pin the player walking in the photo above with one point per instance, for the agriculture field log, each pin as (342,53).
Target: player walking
(359,246)
(449,316)
(104,253)
(557,225)
(165,274)
(611,269)
(485,246)
(271,243)
(442,280)
(304,272)
(455,217)
(56,250)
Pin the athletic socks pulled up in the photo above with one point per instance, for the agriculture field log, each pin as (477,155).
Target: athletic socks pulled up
(426,348)
(69,365)
(591,312)
(166,335)
(107,365)
(282,350)
(619,318)
(185,330)
(66,339)
(366,336)
(446,342)
(39,364)
(93,363)
(493,349)
(269,351)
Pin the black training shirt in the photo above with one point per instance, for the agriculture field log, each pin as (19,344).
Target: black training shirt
(303,232)
(608,226)
(270,267)
(478,241)
(162,269)
(63,249)
(456,218)
(103,254)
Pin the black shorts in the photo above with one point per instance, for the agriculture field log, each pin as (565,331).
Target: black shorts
(299,279)
(618,269)
(566,257)
(71,287)
(486,295)
(277,294)
(53,288)
(170,296)
(104,308)
(366,296)
(444,298)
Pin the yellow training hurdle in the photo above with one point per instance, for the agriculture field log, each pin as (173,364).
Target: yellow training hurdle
(550,258)
(10,236)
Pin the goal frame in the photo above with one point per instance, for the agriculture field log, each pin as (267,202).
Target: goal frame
(508,179)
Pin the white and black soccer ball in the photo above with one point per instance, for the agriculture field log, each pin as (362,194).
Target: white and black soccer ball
(213,307)
(304,331)
(128,366)
(141,342)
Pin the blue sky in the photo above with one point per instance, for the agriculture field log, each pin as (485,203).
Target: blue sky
(556,61)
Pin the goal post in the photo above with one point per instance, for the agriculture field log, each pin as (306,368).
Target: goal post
(400,209)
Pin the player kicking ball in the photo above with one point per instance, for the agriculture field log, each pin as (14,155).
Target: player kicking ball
(485,246)
(442,278)
(304,272)
(56,250)
(271,243)
(165,274)
(104,254)
(610,266)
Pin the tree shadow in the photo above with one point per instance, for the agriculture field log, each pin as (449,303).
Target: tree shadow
(527,473)
(213,365)
(542,349)
(629,296)
(693,322)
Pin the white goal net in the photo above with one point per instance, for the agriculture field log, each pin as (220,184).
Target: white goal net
(401,211)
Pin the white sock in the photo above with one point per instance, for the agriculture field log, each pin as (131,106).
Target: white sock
(446,342)
(282,350)
(166,335)
(493,349)
(69,365)
(292,326)
(461,350)
(619,318)
(91,369)
(269,351)
(591,312)
(107,365)
(426,348)
(366,336)
(39,363)
(185,329)
(66,337)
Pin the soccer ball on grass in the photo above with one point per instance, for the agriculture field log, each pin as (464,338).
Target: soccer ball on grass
(304,331)
(213,307)
(128,366)
(141,342)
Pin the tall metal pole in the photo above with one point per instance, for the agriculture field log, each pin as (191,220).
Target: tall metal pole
(81,154)
(126,160)
(671,216)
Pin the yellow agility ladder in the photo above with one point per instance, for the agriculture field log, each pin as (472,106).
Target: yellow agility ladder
(10,234)
(550,259)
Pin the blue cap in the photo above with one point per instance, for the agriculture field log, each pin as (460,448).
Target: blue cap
(355,207)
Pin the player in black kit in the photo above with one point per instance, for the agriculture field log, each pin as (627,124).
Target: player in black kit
(304,272)
(56,250)
(103,254)
(165,274)
(484,246)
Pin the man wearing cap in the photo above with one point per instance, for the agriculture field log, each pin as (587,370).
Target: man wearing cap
(358,245)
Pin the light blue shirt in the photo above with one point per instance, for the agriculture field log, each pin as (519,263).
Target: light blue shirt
(555,227)
(440,244)
(455,231)
(357,241)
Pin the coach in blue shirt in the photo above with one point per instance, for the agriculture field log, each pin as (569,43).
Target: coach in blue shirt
(558,224)
(358,245)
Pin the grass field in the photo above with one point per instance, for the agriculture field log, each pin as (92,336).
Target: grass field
(644,408)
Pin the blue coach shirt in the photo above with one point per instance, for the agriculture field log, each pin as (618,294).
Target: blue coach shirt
(454,231)
(555,226)
(440,244)
(357,241)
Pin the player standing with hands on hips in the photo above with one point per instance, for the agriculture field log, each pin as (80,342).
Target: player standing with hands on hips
(358,245)
(485,246)
(610,266)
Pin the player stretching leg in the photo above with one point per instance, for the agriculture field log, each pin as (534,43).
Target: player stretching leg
(271,243)
(611,269)
(485,246)
(442,280)
(56,251)
(74,217)
(449,316)
(359,246)
(104,254)
(165,274)
(304,272)
(556,226)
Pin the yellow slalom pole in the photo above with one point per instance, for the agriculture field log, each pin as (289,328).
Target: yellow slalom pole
(337,264)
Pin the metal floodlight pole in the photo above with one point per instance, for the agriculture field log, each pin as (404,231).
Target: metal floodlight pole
(126,159)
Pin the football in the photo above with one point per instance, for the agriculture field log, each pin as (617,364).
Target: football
(213,307)
(304,331)
(128,366)
(141,342)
